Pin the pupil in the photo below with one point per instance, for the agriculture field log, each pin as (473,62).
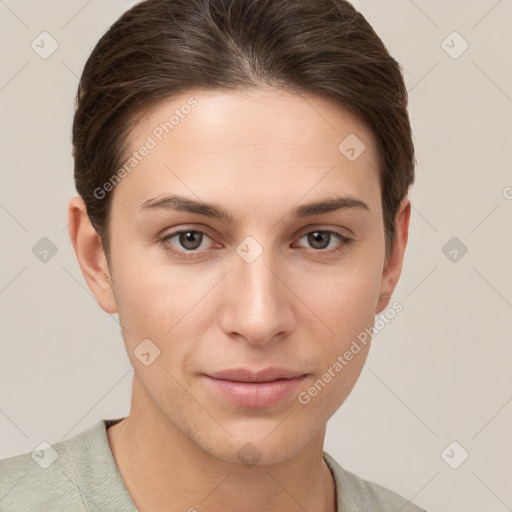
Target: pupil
(315,239)
(187,239)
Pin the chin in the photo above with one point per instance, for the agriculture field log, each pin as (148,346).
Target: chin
(258,446)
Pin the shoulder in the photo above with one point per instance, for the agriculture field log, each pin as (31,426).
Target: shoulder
(357,494)
(62,476)
(44,478)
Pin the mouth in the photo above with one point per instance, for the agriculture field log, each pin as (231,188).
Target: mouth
(264,375)
(256,389)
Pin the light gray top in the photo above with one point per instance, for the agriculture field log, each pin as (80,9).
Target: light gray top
(80,474)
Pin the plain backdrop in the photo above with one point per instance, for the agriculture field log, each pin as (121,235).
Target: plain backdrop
(437,384)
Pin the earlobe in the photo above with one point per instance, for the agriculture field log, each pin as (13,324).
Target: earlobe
(90,255)
(393,266)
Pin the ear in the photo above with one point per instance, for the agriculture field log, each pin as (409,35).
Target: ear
(90,255)
(393,264)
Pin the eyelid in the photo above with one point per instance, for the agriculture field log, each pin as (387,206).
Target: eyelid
(164,240)
(171,232)
(343,231)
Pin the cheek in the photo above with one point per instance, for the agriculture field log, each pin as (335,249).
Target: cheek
(161,301)
(160,304)
(346,299)
(347,307)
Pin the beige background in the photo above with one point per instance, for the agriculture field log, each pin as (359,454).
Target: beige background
(438,373)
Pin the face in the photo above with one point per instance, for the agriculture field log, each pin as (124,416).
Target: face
(240,273)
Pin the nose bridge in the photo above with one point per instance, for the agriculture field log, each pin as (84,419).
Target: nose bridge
(261,281)
(253,270)
(257,299)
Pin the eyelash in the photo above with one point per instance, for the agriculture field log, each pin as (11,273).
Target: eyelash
(193,253)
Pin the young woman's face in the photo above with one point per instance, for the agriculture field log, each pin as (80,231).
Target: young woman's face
(269,284)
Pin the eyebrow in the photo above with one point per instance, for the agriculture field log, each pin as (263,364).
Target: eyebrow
(184,204)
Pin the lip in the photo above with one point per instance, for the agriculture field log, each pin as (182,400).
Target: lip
(256,389)
(263,375)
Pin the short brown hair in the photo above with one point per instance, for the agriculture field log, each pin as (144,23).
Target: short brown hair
(161,48)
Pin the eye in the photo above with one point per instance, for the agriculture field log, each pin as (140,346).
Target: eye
(191,241)
(321,239)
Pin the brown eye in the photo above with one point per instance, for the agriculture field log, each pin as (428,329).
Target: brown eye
(190,240)
(185,243)
(321,240)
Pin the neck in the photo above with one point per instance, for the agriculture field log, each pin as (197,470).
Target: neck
(164,470)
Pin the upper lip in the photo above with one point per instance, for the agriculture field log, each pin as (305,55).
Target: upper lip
(263,375)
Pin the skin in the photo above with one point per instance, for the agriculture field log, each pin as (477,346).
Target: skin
(258,153)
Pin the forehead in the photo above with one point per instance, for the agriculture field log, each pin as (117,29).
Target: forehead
(258,143)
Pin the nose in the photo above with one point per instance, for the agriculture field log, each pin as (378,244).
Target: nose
(257,304)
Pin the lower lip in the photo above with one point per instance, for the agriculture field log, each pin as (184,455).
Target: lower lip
(256,395)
